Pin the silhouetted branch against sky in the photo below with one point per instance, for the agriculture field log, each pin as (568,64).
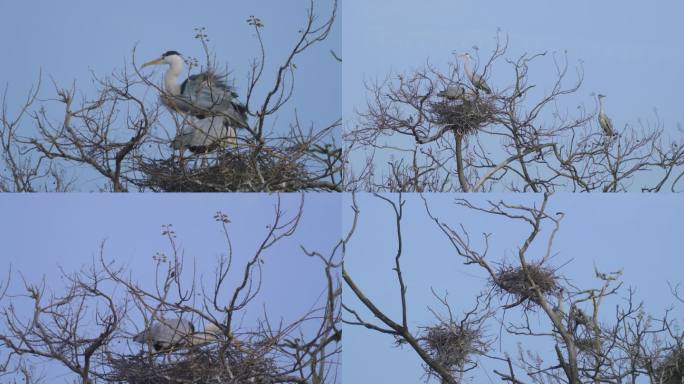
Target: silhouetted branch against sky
(519,288)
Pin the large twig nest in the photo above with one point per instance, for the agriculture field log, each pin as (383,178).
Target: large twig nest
(452,344)
(514,281)
(213,365)
(263,170)
(671,369)
(585,344)
(465,115)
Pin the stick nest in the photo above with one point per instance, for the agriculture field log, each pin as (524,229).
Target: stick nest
(213,365)
(671,369)
(264,170)
(451,344)
(512,280)
(465,115)
(585,344)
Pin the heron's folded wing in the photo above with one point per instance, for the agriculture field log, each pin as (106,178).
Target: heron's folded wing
(220,102)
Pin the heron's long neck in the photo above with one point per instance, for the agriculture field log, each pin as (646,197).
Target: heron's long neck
(466,65)
(601,105)
(171,77)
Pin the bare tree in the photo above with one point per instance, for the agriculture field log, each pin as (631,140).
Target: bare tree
(524,298)
(87,328)
(433,130)
(122,137)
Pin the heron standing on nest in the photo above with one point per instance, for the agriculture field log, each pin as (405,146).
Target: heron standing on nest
(477,80)
(208,99)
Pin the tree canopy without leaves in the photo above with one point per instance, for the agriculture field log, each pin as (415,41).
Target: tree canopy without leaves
(597,333)
(87,325)
(120,134)
(434,130)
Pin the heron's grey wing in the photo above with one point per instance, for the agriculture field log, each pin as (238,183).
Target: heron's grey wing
(171,331)
(218,130)
(140,337)
(179,103)
(186,101)
(607,124)
(184,138)
(220,102)
(479,82)
(204,133)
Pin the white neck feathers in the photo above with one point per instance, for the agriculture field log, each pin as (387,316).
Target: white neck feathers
(466,65)
(171,77)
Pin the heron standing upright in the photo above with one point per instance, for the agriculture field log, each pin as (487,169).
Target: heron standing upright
(604,121)
(208,99)
(477,80)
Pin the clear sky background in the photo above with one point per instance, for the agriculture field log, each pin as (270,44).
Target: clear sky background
(629,50)
(69,39)
(641,235)
(41,233)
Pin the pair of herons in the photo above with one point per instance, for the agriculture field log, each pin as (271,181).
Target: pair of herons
(210,107)
(454,92)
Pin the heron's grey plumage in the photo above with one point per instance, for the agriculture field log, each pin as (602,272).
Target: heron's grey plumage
(477,80)
(208,99)
(452,92)
(604,121)
(208,94)
(166,333)
(202,135)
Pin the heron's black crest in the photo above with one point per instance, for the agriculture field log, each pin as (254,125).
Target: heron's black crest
(169,53)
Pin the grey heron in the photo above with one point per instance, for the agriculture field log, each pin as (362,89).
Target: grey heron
(452,92)
(208,99)
(604,121)
(167,333)
(477,80)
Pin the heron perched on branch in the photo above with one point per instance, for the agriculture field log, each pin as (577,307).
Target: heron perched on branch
(604,121)
(208,99)
(175,332)
(477,80)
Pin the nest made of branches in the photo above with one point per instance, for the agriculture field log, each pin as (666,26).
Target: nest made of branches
(230,171)
(513,280)
(451,344)
(465,115)
(206,365)
(671,369)
(586,344)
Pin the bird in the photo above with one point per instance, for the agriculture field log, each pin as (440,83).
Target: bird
(452,92)
(477,80)
(210,334)
(167,333)
(604,121)
(210,102)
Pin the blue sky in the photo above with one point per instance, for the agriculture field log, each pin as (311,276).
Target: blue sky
(44,232)
(637,234)
(628,49)
(70,39)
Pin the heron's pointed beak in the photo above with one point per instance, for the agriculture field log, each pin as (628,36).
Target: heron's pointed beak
(153,62)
